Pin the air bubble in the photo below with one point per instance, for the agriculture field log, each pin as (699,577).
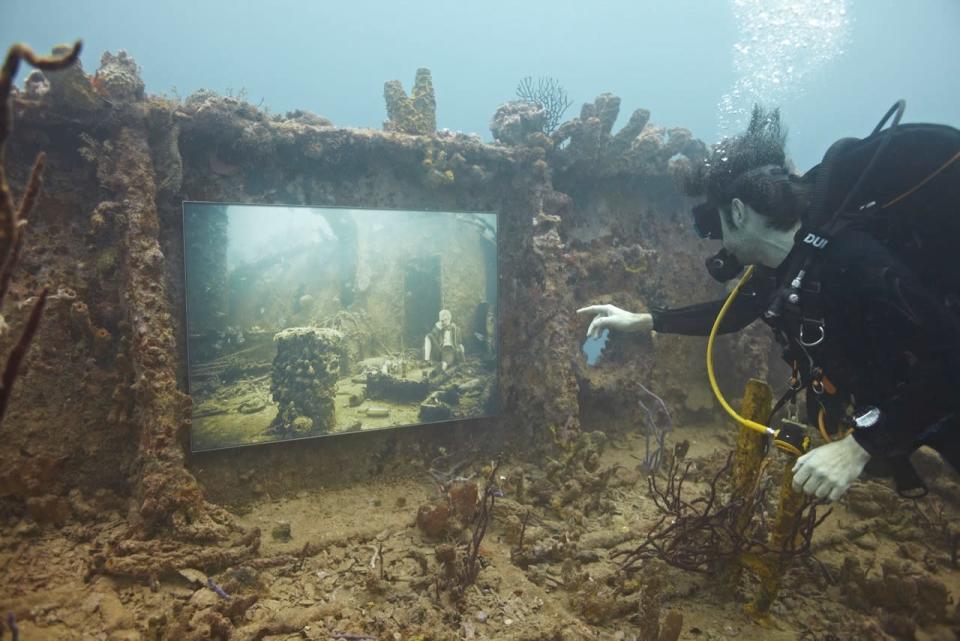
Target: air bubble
(781,45)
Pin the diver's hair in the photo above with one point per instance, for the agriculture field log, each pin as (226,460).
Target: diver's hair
(773,192)
(728,173)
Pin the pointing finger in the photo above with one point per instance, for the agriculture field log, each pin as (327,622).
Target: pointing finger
(591,309)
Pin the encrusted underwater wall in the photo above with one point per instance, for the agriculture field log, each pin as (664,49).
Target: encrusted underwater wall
(630,242)
(585,216)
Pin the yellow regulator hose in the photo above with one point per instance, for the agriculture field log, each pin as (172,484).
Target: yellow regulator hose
(710,373)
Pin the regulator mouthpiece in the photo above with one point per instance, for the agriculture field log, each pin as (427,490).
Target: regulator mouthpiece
(723,266)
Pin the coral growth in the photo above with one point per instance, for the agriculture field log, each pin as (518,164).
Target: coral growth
(704,534)
(13,217)
(414,114)
(70,87)
(903,598)
(577,480)
(514,122)
(481,516)
(118,78)
(549,96)
(588,145)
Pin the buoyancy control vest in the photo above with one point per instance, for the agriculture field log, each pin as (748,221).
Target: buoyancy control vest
(901,185)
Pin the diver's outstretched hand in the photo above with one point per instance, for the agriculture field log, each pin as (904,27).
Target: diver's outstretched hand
(612,317)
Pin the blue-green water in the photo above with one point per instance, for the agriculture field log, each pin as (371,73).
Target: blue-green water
(832,65)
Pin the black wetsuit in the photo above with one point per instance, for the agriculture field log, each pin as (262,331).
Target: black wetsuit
(887,343)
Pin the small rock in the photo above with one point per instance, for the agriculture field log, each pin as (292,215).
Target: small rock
(868,541)
(195,577)
(113,614)
(49,509)
(480,616)
(866,508)
(204,598)
(91,603)
(27,529)
(281,531)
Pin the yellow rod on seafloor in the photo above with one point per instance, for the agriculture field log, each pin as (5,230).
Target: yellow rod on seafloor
(710,374)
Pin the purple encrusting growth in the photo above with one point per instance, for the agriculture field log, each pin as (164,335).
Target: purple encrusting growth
(12,624)
(216,588)
(656,428)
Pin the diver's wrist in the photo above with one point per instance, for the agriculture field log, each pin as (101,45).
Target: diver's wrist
(856,450)
(641,322)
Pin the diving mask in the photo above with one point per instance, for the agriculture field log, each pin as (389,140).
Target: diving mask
(706,221)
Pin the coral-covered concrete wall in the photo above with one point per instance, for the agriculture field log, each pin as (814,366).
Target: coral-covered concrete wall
(586,216)
(631,243)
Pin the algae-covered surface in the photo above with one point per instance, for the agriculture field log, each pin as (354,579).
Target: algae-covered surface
(352,560)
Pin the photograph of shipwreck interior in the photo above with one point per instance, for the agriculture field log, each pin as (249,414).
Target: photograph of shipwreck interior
(306,321)
(508,321)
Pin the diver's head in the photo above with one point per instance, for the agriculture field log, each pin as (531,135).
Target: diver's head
(752,198)
(445,317)
(754,238)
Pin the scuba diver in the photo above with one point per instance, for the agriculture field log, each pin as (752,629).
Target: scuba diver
(854,267)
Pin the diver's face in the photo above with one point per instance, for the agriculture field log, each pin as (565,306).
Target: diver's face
(744,231)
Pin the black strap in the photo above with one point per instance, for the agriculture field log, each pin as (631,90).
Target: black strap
(905,477)
(787,397)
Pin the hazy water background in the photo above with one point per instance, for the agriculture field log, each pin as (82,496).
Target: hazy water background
(678,58)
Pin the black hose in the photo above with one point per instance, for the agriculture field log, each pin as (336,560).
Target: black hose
(821,187)
(897,107)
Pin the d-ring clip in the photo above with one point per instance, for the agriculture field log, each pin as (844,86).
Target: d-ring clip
(819,339)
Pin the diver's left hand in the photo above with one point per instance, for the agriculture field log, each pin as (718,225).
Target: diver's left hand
(827,471)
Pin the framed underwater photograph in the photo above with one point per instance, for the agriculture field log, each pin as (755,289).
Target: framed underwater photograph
(305,322)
